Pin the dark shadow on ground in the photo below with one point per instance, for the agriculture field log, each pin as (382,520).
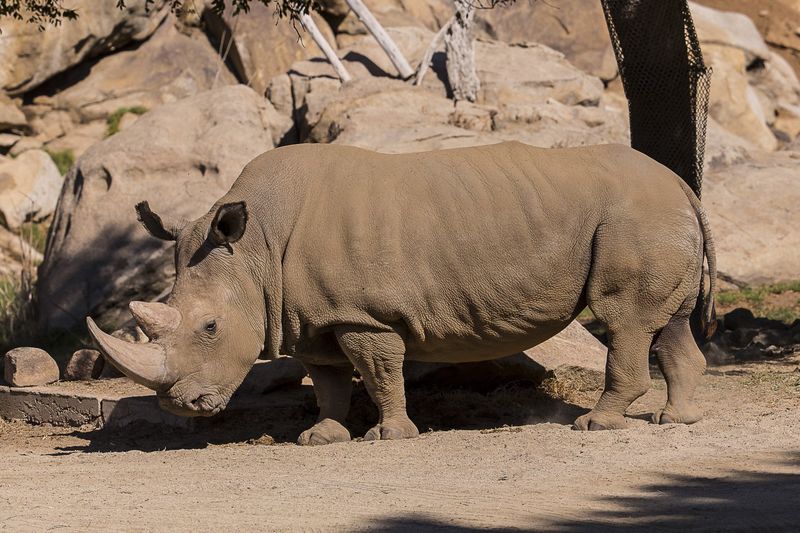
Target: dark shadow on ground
(734,501)
(431,408)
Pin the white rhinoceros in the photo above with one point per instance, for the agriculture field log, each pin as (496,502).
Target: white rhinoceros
(347,258)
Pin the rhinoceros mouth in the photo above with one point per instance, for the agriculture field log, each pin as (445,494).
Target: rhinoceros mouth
(208,404)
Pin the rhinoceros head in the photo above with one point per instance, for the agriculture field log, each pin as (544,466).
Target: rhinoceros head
(205,338)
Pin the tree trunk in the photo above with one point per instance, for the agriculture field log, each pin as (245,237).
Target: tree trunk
(311,27)
(389,46)
(460,47)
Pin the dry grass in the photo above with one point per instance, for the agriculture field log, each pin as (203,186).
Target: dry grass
(17,304)
(778,301)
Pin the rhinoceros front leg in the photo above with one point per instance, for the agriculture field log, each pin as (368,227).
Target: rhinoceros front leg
(332,386)
(378,356)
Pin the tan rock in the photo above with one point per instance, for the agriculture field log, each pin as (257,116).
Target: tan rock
(734,103)
(529,93)
(7,140)
(27,367)
(729,29)
(425,14)
(263,46)
(24,144)
(80,138)
(31,57)
(531,73)
(84,365)
(573,357)
(749,82)
(11,117)
(29,187)
(754,208)
(168,67)
(787,122)
(181,157)
(576,28)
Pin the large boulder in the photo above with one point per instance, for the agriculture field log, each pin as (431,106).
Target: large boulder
(31,57)
(776,20)
(754,208)
(529,92)
(426,14)
(754,92)
(421,120)
(576,28)
(181,157)
(263,46)
(168,67)
(573,360)
(29,187)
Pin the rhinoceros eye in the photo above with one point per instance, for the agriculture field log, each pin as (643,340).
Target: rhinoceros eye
(211,327)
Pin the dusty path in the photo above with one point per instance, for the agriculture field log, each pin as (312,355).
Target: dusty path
(737,470)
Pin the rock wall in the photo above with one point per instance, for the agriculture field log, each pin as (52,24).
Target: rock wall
(548,79)
(180,157)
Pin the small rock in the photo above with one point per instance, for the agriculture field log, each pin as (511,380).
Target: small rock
(26,367)
(7,140)
(25,144)
(739,318)
(29,187)
(109,371)
(269,375)
(84,365)
(11,117)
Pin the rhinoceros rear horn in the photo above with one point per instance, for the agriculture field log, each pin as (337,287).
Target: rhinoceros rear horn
(145,364)
(229,223)
(156,319)
(155,226)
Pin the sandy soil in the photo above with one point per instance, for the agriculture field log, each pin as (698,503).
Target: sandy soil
(739,469)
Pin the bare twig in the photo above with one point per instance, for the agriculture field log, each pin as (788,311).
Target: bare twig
(427,57)
(389,46)
(312,29)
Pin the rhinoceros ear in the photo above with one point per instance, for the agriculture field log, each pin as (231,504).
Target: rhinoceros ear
(229,223)
(156,227)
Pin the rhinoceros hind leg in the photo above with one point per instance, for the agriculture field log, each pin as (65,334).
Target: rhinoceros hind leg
(682,364)
(378,357)
(627,378)
(332,386)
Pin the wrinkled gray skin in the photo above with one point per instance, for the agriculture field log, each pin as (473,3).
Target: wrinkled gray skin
(345,258)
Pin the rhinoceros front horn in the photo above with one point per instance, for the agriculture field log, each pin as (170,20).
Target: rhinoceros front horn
(145,364)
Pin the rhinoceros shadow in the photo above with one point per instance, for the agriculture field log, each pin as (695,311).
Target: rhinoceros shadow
(433,408)
(735,500)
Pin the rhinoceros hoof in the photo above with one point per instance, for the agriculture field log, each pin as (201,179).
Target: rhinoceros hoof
(593,421)
(326,431)
(671,415)
(391,430)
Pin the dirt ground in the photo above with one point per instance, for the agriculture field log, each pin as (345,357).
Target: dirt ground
(739,469)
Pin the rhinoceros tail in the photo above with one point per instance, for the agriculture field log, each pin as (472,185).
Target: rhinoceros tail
(705,315)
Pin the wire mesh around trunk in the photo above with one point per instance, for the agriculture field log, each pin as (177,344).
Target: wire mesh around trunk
(666,82)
